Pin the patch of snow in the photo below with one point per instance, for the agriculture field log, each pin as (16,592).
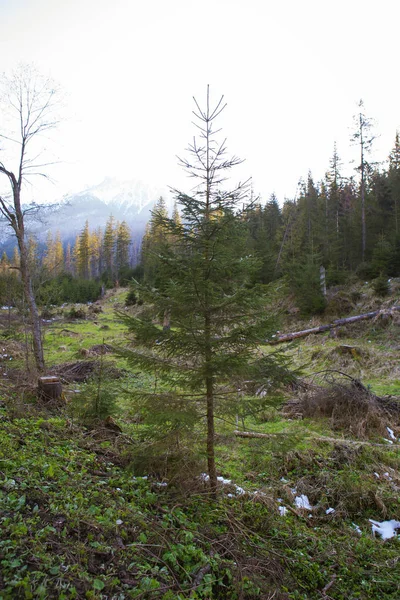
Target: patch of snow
(282,510)
(239,490)
(118,522)
(388,441)
(376,475)
(302,502)
(224,481)
(284,480)
(356,528)
(329,511)
(391,433)
(386,529)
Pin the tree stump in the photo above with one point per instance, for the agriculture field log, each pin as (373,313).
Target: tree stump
(49,388)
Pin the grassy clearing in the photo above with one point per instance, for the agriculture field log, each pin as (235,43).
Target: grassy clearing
(78,521)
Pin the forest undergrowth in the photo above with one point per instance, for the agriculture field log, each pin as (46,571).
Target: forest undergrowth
(92,506)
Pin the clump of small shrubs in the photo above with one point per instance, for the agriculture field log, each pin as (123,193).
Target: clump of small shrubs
(381,286)
(132,298)
(95,404)
(76,313)
(304,281)
(66,288)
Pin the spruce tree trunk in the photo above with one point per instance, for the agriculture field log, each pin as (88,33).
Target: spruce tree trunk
(210,410)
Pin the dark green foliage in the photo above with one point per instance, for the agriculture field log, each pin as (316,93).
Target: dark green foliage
(10,289)
(201,336)
(304,280)
(66,288)
(381,285)
(131,298)
(126,274)
(94,404)
(381,257)
(394,260)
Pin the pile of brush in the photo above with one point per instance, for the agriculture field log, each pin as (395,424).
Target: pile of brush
(349,405)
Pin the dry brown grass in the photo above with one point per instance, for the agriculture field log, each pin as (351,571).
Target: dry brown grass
(349,405)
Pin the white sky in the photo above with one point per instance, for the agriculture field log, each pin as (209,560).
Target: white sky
(291,71)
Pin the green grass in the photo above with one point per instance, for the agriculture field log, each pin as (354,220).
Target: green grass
(77,521)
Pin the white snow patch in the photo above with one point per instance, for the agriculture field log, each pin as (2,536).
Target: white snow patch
(386,529)
(356,528)
(376,475)
(302,502)
(224,481)
(329,511)
(391,433)
(282,510)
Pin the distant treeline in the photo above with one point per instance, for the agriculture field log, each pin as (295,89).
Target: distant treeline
(351,226)
(76,273)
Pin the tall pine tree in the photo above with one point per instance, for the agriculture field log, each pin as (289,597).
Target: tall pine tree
(217,319)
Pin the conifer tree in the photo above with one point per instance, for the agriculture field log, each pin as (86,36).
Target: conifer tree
(58,254)
(154,239)
(394,180)
(33,259)
(109,249)
(363,137)
(217,321)
(49,255)
(15,263)
(83,252)
(123,240)
(95,246)
(68,259)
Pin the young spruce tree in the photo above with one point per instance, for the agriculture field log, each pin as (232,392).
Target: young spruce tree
(217,319)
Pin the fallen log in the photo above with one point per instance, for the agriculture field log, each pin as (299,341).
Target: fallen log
(288,337)
(317,438)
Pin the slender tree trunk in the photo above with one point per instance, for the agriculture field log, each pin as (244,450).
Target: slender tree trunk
(210,409)
(33,310)
(363,224)
(18,226)
(207,322)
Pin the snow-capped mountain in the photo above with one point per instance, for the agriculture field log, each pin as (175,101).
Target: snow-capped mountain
(129,201)
(124,195)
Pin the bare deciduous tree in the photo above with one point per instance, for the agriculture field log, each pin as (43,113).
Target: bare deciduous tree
(29,103)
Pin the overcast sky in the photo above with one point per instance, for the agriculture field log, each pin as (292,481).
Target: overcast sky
(292,73)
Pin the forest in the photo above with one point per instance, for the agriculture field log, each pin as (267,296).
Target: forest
(156,441)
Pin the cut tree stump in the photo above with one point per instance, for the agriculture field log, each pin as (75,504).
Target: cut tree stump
(49,388)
